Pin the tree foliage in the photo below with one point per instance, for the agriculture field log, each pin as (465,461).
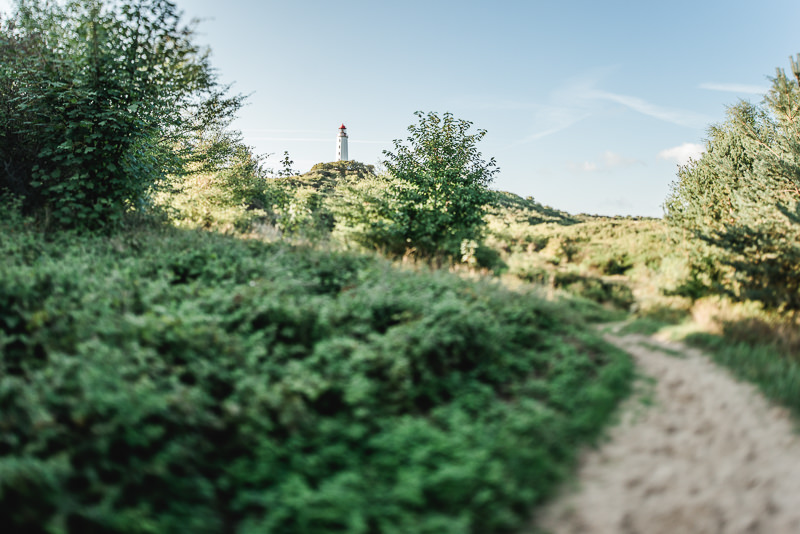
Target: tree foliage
(440,185)
(741,200)
(100,100)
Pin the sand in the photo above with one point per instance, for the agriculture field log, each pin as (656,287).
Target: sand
(695,451)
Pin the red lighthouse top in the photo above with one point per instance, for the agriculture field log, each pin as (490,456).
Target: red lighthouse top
(342,127)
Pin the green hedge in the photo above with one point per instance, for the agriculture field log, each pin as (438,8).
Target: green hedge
(159,382)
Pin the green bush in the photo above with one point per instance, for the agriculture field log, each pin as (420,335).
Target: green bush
(175,381)
(100,101)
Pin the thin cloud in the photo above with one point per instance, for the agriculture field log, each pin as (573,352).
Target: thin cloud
(567,106)
(735,88)
(683,153)
(680,117)
(608,161)
(553,120)
(579,100)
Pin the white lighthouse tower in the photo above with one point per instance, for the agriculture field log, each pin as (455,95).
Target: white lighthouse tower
(341,144)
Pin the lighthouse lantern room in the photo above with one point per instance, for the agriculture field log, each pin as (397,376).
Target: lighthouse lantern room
(341,144)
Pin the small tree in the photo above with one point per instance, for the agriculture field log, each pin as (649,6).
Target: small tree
(439,187)
(741,200)
(286,166)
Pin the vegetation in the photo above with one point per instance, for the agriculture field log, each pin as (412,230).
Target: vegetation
(637,264)
(439,187)
(83,140)
(165,380)
(157,377)
(246,199)
(740,202)
(608,260)
(344,202)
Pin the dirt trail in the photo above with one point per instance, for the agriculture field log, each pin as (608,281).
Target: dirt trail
(707,455)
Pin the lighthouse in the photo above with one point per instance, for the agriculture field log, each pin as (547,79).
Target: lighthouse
(341,144)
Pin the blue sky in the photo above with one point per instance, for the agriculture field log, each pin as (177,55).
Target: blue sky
(589,105)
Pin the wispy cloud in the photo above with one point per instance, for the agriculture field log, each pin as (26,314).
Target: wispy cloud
(677,116)
(550,120)
(565,107)
(580,99)
(683,153)
(735,88)
(608,161)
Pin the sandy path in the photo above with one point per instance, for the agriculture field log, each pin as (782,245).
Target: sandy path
(708,455)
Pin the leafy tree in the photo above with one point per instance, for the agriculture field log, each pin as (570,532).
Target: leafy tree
(439,185)
(741,200)
(100,101)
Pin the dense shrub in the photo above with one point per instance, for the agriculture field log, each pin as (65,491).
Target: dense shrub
(187,382)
